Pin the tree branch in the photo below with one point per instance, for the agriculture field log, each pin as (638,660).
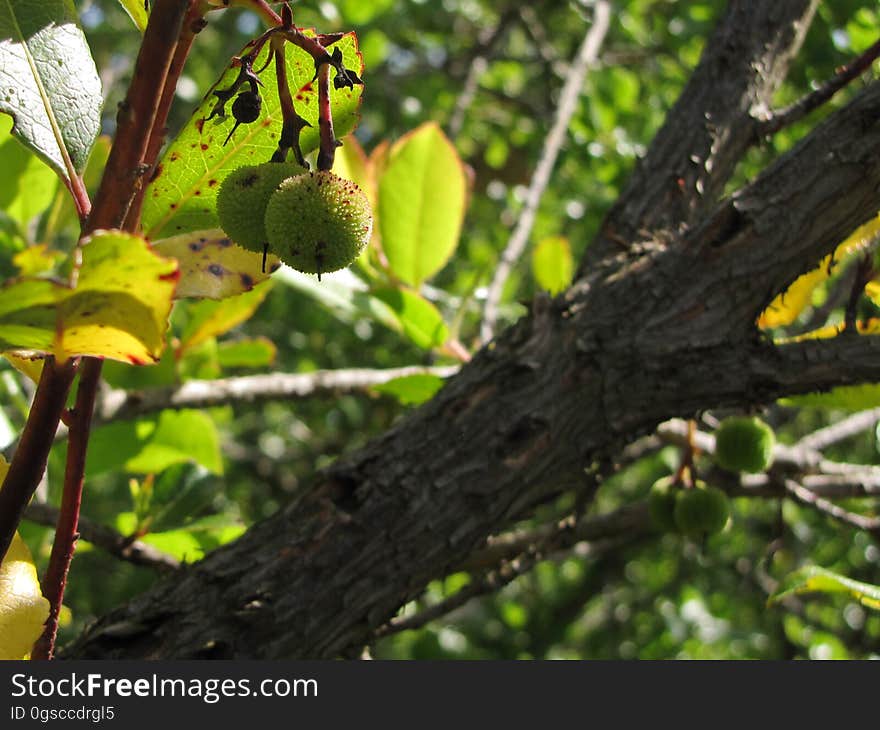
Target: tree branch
(106,538)
(711,125)
(124,405)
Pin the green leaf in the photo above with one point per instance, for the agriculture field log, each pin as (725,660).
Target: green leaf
(212,267)
(211,318)
(847,397)
(411,390)
(553,264)
(43,57)
(418,318)
(344,294)
(119,308)
(255,352)
(813,579)
(27,185)
(422,199)
(183,193)
(137,12)
(149,446)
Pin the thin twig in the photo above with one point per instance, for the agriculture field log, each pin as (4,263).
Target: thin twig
(836,432)
(803,495)
(476,68)
(803,106)
(586,57)
(119,545)
(121,404)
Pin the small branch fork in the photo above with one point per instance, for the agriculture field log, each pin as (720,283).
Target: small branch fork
(798,110)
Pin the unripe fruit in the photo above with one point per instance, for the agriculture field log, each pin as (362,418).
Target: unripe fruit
(318,222)
(661,504)
(701,511)
(744,443)
(243,197)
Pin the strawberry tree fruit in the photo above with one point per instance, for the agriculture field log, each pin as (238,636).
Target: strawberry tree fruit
(318,222)
(744,444)
(243,197)
(701,511)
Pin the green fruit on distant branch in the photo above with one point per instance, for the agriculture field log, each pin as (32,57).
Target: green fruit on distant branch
(318,222)
(701,511)
(661,503)
(744,443)
(243,197)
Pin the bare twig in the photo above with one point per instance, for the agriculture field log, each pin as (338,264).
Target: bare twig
(803,106)
(803,495)
(476,68)
(836,432)
(106,538)
(586,57)
(120,404)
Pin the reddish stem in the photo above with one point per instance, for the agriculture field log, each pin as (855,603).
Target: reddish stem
(66,533)
(138,117)
(30,458)
(327,152)
(192,24)
(127,163)
(80,195)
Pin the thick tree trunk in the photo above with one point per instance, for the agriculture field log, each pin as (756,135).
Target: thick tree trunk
(664,328)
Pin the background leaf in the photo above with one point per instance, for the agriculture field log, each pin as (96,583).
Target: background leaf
(411,390)
(422,196)
(27,184)
(43,55)
(813,579)
(137,12)
(419,319)
(553,264)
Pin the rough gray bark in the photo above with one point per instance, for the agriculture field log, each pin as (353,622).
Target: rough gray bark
(663,330)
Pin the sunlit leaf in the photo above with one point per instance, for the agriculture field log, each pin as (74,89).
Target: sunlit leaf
(182,194)
(23,610)
(418,318)
(553,264)
(137,12)
(422,198)
(37,259)
(813,579)
(27,184)
(211,318)
(252,352)
(212,267)
(148,446)
(786,307)
(118,309)
(43,55)
(412,390)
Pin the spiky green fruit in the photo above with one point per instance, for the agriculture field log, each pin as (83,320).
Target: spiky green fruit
(318,222)
(661,503)
(744,443)
(243,197)
(701,511)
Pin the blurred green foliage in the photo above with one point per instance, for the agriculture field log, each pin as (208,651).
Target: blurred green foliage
(647,597)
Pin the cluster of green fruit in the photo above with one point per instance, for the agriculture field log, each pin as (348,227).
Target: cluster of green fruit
(315,222)
(695,512)
(742,444)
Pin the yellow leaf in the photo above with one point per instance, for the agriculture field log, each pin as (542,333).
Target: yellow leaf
(787,306)
(23,610)
(212,267)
